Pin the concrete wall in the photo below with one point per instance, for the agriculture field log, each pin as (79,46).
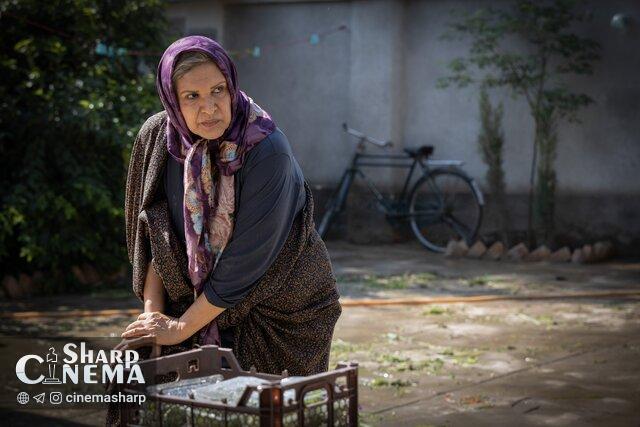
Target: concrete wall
(598,159)
(380,76)
(196,17)
(601,155)
(304,87)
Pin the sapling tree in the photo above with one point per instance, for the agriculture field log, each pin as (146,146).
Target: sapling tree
(532,48)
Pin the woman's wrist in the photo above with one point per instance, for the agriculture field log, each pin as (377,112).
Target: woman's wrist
(182,329)
(152,304)
(198,315)
(185,327)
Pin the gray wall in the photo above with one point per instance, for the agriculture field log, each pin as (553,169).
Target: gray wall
(196,17)
(601,155)
(304,87)
(598,160)
(380,76)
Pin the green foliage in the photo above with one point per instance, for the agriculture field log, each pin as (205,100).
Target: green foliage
(403,281)
(547,140)
(435,311)
(68,117)
(491,144)
(530,48)
(491,141)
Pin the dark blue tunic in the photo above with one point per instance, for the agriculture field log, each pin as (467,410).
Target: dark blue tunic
(269,190)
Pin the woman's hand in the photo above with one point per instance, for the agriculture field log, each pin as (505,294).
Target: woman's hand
(166,330)
(169,330)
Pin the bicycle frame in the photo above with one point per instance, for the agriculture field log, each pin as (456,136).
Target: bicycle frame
(361,159)
(409,204)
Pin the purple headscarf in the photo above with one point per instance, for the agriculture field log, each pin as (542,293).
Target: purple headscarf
(209,165)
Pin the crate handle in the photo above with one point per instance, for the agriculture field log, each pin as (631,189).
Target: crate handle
(327,394)
(193,365)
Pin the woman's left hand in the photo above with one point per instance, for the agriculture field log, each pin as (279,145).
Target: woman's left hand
(166,330)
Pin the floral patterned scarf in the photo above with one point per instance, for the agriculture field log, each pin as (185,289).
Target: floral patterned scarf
(209,165)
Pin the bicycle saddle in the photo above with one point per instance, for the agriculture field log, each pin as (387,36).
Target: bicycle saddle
(422,151)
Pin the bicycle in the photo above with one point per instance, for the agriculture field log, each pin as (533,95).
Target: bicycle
(444,203)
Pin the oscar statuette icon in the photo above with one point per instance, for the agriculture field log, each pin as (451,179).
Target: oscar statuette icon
(52,359)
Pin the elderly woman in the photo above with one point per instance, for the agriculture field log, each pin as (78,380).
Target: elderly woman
(220,227)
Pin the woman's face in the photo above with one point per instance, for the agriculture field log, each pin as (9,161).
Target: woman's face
(205,101)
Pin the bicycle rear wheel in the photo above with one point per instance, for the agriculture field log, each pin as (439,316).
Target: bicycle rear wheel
(443,205)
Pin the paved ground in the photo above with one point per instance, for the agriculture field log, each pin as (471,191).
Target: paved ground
(552,362)
(565,362)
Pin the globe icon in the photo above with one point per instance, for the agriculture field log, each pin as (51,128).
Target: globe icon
(23,398)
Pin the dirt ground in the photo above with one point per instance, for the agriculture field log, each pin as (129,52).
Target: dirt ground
(496,364)
(550,362)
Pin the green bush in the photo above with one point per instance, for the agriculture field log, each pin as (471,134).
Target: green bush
(69,112)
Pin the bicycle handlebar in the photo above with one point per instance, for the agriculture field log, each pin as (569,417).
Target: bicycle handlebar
(362,137)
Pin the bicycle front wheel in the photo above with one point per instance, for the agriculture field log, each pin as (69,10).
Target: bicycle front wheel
(443,205)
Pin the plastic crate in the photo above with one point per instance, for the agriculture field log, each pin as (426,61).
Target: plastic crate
(326,399)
